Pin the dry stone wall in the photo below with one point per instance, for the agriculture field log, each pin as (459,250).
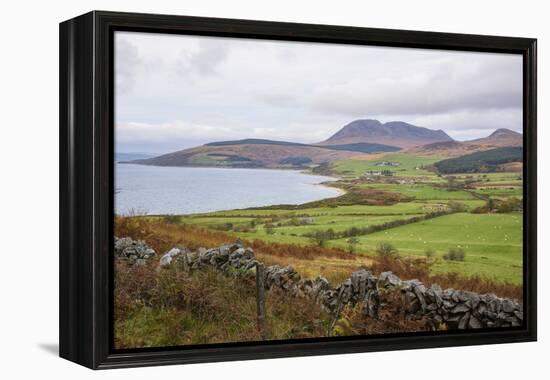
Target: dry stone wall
(135,251)
(457,309)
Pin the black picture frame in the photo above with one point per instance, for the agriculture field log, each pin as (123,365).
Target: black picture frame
(86,186)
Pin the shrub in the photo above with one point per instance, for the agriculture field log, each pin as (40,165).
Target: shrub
(269,228)
(429,253)
(455,254)
(502,206)
(318,239)
(457,206)
(352,243)
(224,227)
(175,219)
(385,249)
(510,205)
(243,228)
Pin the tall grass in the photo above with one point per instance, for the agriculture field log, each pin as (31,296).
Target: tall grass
(169,307)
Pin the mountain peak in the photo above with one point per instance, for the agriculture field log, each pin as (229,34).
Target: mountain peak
(396,133)
(499,138)
(504,132)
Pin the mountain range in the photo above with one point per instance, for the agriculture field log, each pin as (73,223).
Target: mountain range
(397,133)
(357,139)
(500,138)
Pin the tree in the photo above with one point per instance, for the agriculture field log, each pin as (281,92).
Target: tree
(385,249)
(318,239)
(269,228)
(352,243)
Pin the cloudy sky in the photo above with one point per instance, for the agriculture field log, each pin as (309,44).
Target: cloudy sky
(174,92)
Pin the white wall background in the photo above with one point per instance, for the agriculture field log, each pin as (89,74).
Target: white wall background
(29,186)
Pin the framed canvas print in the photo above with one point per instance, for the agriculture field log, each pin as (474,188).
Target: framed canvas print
(237,189)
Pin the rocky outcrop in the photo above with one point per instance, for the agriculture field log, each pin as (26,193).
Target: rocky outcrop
(456,309)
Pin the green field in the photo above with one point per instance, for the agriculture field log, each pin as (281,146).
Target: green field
(409,165)
(501,192)
(422,191)
(492,241)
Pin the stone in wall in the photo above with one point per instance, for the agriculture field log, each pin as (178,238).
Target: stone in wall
(135,251)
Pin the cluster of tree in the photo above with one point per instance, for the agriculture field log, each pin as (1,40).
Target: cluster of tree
(296,161)
(322,169)
(454,184)
(453,254)
(480,162)
(500,205)
(455,206)
(242,227)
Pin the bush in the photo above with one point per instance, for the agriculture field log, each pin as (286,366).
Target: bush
(320,237)
(318,240)
(269,228)
(455,254)
(457,206)
(352,243)
(385,249)
(498,205)
(429,253)
(175,219)
(510,205)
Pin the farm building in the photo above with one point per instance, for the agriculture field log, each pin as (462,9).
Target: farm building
(387,163)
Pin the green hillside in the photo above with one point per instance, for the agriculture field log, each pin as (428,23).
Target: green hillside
(486,161)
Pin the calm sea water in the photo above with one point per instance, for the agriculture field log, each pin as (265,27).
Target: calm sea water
(184,190)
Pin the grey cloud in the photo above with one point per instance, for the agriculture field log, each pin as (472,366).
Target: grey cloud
(127,61)
(205,60)
(278,99)
(442,91)
(210,55)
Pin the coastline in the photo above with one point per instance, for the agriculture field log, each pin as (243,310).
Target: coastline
(301,170)
(332,185)
(325,181)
